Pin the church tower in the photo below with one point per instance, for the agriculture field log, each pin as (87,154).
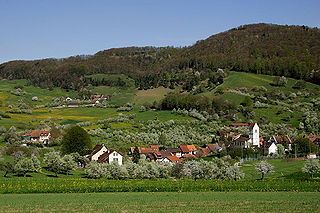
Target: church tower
(254,134)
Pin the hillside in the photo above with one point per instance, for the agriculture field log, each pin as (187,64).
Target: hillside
(292,51)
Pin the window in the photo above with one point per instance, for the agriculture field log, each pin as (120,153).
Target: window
(256,131)
(115,159)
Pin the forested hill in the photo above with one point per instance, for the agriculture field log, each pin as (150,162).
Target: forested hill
(292,51)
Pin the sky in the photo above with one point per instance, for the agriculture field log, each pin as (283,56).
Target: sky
(35,29)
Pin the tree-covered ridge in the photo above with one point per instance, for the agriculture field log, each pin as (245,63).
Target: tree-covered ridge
(292,51)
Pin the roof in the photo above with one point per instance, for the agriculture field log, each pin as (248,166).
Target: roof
(187,148)
(155,148)
(252,125)
(313,138)
(165,153)
(96,149)
(211,146)
(173,150)
(35,133)
(239,124)
(189,156)
(241,139)
(174,159)
(205,152)
(145,150)
(104,157)
(282,138)
(44,132)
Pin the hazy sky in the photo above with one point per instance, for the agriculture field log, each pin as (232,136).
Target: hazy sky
(32,29)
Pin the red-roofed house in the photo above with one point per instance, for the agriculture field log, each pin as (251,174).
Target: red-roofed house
(172,159)
(188,149)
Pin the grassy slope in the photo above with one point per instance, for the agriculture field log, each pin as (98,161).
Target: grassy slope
(163,202)
(137,97)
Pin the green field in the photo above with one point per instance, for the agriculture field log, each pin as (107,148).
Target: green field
(163,202)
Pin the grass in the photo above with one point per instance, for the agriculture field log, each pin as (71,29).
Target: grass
(163,202)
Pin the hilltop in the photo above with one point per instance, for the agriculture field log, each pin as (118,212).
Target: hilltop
(292,51)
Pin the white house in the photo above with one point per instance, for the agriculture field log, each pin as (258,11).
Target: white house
(254,134)
(111,156)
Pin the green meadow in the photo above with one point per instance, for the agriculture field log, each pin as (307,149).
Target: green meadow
(163,202)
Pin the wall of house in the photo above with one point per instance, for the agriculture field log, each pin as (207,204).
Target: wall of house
(115,156)
(273,149)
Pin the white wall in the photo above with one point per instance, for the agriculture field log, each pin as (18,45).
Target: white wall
(115,156)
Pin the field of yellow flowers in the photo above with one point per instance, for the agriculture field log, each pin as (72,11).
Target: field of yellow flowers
(82,185)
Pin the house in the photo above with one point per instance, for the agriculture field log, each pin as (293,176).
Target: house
(111,156)
(239,125)
(94,102)
(97,151)
(242,142)
(97,97)
(204,152)
(284,140)
(44,136)
(188,149)
(175,151)
(311,156)
(214,147)
(269,147)
(254,134)
(37,135)
(68,99)
(172,159)
(101,154)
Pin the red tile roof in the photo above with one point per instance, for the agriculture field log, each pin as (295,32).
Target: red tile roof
(239,124)
(211,146)
(35,133)
(205,152)
(174,159)
(187,148)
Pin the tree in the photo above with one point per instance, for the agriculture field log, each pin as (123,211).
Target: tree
(234,173)
(177,171)
(304,145)
(68,163)
(136,155)
(281,150)
(25,165)
(7,167)
(76,139)
(54,162)
(264,168)
(311,167)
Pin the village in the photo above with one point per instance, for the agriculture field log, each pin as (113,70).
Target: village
(264,146)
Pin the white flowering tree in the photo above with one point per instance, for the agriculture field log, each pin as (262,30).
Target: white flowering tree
(311,167)
(264,168)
